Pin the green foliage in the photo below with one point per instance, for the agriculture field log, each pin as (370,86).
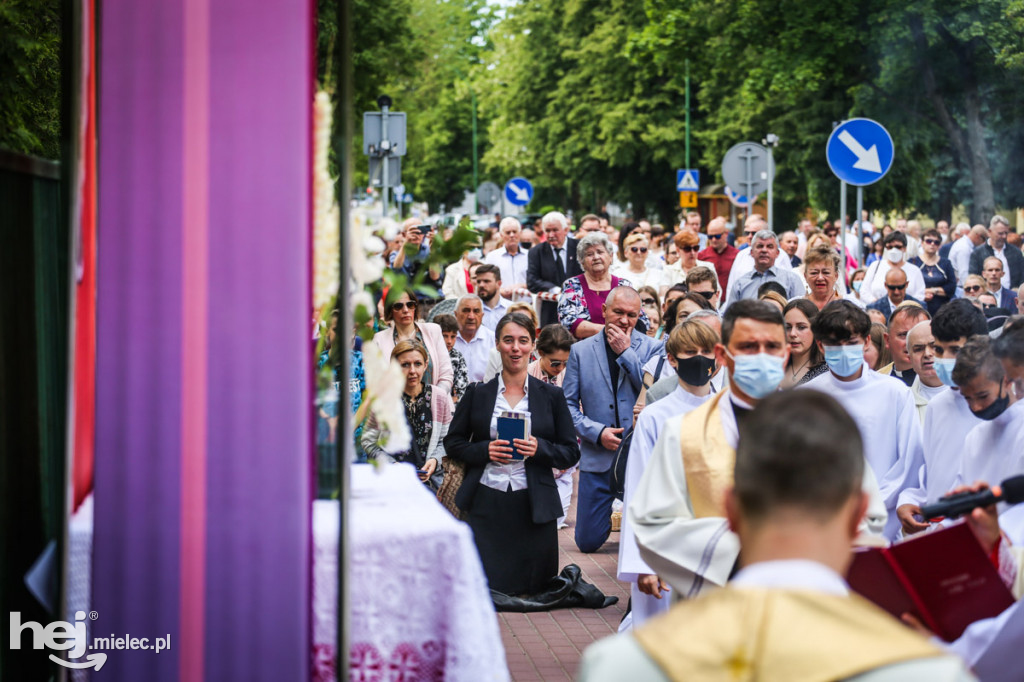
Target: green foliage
(30,77)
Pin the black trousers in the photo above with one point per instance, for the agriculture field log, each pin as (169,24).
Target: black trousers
(519,556)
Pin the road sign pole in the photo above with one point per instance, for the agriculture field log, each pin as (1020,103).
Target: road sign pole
(842,225)
(749,182)
(771,175)
(384,161)
(476,183)
(860,225)
(687,113)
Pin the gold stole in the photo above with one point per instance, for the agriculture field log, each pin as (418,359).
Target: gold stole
(708,459)
(742,635)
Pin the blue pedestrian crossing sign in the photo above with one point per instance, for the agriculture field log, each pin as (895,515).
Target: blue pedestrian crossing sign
(687,180)
(518,191)
(859,151)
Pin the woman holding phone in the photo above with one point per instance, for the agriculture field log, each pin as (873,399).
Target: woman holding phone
(511,503)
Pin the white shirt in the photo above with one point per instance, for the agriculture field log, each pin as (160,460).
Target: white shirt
(1001,255)
(873,287)
(501,477)
(512,266)
(652,365)
(650,277)
(960,257)
(673,274)
(947,421)
(476,352)
(883,408)
(493,315)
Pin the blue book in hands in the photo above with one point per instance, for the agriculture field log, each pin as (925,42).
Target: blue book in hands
(512,425)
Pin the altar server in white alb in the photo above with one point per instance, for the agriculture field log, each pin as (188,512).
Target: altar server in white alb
(690,351)
(947,419)
(993,450)
(882,406)
(677,512)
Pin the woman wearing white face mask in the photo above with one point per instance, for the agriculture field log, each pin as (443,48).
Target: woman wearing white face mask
(893,256)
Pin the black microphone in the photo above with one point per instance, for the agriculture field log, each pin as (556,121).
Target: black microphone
(952,506)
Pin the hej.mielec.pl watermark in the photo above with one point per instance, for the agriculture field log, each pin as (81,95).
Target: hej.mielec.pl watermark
(71,637)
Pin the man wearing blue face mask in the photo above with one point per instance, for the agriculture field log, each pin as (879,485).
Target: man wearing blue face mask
(677,513)
(992,449)
(947,419)
(882,407)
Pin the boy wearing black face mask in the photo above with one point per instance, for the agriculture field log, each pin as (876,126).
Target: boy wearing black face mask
(691,352)
(992,450)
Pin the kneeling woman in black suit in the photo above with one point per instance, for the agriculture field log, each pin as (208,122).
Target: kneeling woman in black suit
(512,505)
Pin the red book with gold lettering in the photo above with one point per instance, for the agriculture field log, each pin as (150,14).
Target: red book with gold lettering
(944,578)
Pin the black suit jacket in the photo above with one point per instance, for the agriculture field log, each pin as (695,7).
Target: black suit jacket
(470,433)
(1014,258)
(542,274)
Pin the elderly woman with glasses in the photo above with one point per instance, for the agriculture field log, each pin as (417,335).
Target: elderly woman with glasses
(939,275)
(635,268)
(895,250)
(400,311)
(583,296)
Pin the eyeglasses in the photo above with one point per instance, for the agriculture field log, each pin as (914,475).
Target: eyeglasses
(638,249)
(895,287)
(716,236)
(749,234)
(970,290)
(690,249)
(896,245)
(556,363)
(813,274)
(648,301)
(933,242)
(398,305)
(831,233)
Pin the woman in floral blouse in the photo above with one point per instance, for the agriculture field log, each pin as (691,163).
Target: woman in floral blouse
(428,411)
(580,303)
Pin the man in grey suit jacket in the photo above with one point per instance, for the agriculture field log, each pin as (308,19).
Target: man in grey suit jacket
(603,377)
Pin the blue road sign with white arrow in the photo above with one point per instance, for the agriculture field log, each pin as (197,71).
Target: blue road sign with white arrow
(687,180)
(859,151)
(736,198)
(518,191)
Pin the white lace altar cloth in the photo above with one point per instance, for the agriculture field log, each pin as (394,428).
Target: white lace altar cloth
(420,607)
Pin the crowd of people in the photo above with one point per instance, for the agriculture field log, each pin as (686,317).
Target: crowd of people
(652,360)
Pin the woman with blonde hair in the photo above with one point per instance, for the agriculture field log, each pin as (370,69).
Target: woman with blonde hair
(428,411)
(635,268)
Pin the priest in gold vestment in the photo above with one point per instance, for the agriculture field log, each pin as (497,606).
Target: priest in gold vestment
(796,504)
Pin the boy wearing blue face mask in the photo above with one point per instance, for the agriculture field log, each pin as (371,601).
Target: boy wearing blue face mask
(947,419)
(992,450)
(677,513)
(882,406)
